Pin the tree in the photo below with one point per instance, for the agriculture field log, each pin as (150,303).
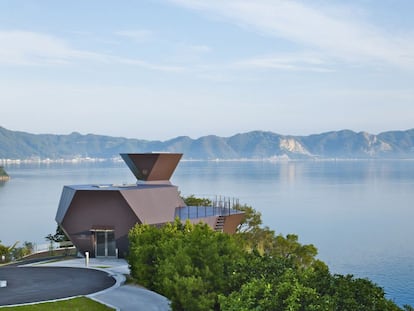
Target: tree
(252,219)
(194,201)
(255,269)
(265,241)
(289,247)
(190,264)
(144,253)
(264,282)
(59,236)
(257,294)
(25,250)
(351,293)
(6,252)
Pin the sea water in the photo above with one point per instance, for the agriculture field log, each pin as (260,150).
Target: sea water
(359,214)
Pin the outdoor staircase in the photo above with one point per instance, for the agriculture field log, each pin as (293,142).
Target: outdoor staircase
(219,223)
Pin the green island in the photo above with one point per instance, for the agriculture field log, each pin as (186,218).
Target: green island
(3,175)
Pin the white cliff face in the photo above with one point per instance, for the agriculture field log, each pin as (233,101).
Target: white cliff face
(292,145)
(375,145)
(384,146)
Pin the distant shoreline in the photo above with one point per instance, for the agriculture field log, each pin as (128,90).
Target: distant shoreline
(278,159)
(21,147)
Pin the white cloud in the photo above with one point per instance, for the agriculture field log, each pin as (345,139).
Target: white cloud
(136,35)
(29,48)
(147,65)
(343,37)
(200,48)
(25,48)
(289,62)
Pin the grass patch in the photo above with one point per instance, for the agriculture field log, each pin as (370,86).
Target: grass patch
(74,304)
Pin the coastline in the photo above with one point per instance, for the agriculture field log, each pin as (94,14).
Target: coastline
(276,159)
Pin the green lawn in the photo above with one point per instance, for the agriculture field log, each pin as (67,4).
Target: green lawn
(74,304)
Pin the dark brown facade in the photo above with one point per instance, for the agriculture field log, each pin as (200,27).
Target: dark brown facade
(97,218)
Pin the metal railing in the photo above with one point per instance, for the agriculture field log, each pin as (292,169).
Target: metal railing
(39,248)
(220,206)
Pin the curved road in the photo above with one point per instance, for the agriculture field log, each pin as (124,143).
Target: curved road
(33,284)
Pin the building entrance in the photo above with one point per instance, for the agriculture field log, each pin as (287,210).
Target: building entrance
(105,243)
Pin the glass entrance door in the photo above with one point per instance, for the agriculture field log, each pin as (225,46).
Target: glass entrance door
(105,244)
(110,244)
(100,243)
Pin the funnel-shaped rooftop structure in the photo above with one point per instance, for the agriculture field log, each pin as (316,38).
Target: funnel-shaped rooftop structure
(152,166)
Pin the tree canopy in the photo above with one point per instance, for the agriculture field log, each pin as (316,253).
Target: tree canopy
(8,253)
(199,269)
(59,236)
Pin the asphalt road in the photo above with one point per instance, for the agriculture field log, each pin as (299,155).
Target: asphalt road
(33,284)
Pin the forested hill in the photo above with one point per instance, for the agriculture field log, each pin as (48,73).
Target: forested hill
(252,145)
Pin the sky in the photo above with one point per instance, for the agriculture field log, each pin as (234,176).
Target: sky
(160,69)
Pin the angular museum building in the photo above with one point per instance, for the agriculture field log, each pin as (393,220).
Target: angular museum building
(97,218)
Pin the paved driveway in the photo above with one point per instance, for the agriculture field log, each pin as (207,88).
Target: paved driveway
(133,298)
(32,284)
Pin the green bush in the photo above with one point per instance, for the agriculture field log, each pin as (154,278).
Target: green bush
(200,269)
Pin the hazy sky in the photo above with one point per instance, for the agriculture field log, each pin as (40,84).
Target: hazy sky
(160,69)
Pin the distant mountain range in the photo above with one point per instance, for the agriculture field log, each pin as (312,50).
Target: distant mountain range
(344,144)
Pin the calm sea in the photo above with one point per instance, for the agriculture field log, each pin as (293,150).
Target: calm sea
(359,214)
